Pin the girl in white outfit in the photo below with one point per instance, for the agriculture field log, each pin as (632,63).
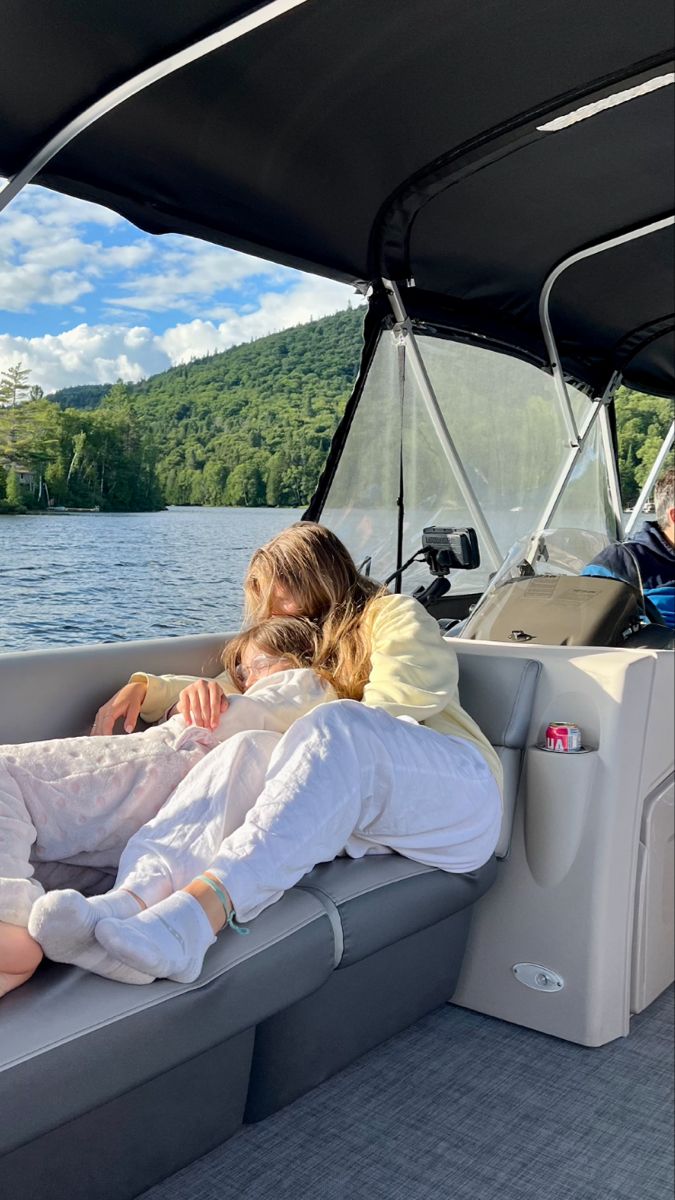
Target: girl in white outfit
(68,807)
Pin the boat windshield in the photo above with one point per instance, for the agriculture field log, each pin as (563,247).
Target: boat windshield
(549,553)
(505,419)
(559,551)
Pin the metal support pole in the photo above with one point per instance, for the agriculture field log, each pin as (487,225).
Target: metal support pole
(233,31)
(608,447)
(438,421)
(545,320)
(651,479)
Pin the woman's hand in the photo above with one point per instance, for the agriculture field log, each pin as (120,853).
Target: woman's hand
(202,703)
(126,703)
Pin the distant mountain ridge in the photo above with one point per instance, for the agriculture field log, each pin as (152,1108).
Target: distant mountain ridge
(83,395)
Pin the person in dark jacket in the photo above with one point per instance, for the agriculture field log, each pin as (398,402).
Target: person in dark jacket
(649,555)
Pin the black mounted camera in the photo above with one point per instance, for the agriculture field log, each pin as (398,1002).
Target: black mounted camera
(446,549)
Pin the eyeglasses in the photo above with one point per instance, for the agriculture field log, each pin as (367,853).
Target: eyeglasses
(258,666)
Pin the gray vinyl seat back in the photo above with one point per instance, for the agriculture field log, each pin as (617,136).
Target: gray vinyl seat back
(55,692)
(498,692)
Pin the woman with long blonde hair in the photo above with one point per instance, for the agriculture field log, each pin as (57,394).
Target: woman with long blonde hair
(393,765)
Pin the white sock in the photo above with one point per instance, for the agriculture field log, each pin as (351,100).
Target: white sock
(168,940)
(95,958)
(63,921)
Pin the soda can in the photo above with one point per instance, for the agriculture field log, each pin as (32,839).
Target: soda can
(563,736)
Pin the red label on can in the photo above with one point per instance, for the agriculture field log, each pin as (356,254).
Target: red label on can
(563,736)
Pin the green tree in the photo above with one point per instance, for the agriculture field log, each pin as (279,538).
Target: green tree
(13,384)
(245,486)
(14,490)
(269,408)
(642,423)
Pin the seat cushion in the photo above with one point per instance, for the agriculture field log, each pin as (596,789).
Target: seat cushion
(71,1041)
(377,900)
(498,692)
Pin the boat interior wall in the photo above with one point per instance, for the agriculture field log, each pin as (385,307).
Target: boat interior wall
(590,849)
(506,726)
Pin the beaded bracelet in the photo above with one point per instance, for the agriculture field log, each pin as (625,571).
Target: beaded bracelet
(226,903)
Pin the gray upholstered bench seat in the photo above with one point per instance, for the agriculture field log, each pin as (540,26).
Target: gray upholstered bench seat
(382,898)
(106,1087)
(400,934)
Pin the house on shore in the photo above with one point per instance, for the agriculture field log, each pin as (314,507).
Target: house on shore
(26,477)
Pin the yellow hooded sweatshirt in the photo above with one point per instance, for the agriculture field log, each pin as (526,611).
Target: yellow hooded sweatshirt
(414,673)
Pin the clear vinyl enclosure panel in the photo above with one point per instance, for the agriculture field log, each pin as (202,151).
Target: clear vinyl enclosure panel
(505,419)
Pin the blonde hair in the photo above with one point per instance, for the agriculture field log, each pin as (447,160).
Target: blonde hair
(294,639)
(310,563)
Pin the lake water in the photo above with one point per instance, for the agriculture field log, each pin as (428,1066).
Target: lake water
(107,577)
(68,579)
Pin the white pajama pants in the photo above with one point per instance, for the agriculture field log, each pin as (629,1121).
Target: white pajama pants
(263,809)
(69,806)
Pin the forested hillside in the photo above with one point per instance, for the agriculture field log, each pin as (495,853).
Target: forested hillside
(250,426)
(642,423)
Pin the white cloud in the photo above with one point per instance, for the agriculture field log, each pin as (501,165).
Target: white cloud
(105,352)
(54,251)
(56,210)
(85,354)
(21,286)
(44,260)
(127,256)
(309,299)
(65,252)
(42,232)
(188,273)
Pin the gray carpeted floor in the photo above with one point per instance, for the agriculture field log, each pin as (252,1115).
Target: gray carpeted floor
(470,1108)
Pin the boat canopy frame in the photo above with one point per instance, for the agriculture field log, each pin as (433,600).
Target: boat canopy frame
(138,82)
(578,438)
(449,291)
(181,123)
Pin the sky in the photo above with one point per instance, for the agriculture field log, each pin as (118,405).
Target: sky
(85,297)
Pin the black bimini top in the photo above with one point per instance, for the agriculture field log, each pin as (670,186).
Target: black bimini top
(369,138)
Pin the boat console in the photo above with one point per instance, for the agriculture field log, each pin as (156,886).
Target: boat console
(542,594)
